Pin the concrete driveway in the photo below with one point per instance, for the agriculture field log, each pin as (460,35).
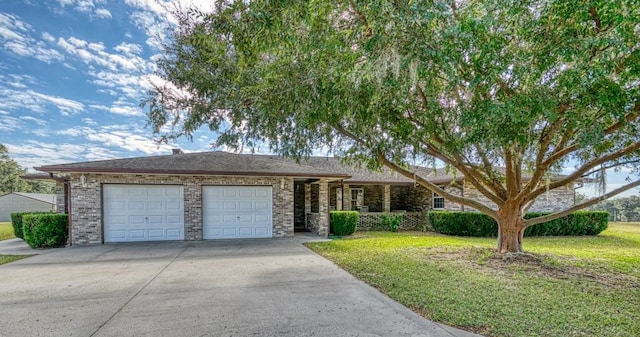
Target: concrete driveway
(210,288)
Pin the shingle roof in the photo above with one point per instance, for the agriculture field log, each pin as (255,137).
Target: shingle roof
(224,163)
(201,163)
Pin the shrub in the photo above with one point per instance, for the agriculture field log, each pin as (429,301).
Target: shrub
(463,223)
(392,222)
(45,230)
(344,222)
(480,225)
(574,224)
(16,222)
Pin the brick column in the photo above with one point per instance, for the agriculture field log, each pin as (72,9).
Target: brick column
(387,198)
(323,229)
(346,197)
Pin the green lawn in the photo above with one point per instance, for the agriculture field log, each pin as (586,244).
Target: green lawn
(569,286)
(6,231)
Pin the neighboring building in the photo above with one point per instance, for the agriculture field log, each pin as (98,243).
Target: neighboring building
(219,195)
(25,202)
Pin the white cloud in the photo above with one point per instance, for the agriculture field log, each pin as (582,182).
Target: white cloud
(87,7)
(120,137)
(19,38)
(103,13)
(37,121)
(66,106)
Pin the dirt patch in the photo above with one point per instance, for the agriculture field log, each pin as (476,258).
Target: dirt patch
(488,260)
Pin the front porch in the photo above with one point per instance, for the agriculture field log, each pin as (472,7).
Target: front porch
(314,199)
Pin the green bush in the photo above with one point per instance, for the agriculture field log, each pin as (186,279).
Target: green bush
(45,230)
(16,222)
(574,224)
(463,223)
(344,222)
(480,225)
(392,222)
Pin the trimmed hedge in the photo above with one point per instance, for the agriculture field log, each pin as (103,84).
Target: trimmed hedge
(45,230)
(481,225)
(344,222)
(16,222)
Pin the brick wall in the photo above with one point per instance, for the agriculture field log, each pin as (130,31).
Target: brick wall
(553,200)
(86,201)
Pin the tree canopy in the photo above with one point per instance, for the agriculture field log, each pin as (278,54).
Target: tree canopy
(10,180)
(505,93)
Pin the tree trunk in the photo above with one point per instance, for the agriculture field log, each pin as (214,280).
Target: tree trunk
(510,229)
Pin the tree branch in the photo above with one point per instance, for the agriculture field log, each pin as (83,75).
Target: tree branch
(585,168)
(538,220)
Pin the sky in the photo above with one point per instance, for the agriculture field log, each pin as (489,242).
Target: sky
(73,74)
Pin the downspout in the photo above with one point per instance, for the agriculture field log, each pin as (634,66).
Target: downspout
(67,187)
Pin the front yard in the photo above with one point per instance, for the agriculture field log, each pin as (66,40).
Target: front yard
(6,232)
(570,286)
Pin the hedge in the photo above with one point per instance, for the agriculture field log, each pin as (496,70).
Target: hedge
(344,222)
(16,222)
(45,230)
(481,225)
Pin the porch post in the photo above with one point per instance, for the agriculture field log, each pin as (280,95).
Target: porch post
(338,199)
(323,226)
(307,200)
(346,197)
(387,198)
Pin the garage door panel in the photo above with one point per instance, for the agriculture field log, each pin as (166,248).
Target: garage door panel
(245,205)
(262,205)
(229,192)
(143,213)
(174,205)
(237,211)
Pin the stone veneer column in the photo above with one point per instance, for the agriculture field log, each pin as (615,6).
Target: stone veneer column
(346,197)
(307,199)
(386,206)
(323,229)
(338,199)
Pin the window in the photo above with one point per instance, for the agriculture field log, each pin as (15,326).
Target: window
(438,201)
(357,198)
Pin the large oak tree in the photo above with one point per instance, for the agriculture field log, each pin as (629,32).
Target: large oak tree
(502,92)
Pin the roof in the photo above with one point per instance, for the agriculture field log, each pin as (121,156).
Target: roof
(232,164)
(200,163)
(362,175)
(47,198)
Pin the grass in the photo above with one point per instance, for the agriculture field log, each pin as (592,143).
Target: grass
(6,231)
(568,286)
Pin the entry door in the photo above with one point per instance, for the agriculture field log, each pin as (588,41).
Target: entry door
(143,213)
(237,212)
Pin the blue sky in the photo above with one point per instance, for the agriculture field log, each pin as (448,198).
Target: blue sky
(72,75)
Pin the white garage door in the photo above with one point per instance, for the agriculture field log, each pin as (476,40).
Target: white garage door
(236,212)
(143,213)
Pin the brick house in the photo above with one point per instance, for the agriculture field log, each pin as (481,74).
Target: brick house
(219,195)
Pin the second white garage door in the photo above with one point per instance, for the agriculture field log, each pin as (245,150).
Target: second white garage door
(236,212)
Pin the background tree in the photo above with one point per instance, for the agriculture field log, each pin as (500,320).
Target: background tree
(10,181)
(502,92)
(621,209)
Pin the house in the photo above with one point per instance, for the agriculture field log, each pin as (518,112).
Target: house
(219,195)
(25,202)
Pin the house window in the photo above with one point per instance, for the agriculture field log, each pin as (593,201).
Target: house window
(357,198)
(438,201)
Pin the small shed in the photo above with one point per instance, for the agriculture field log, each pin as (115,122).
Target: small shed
(25,202)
